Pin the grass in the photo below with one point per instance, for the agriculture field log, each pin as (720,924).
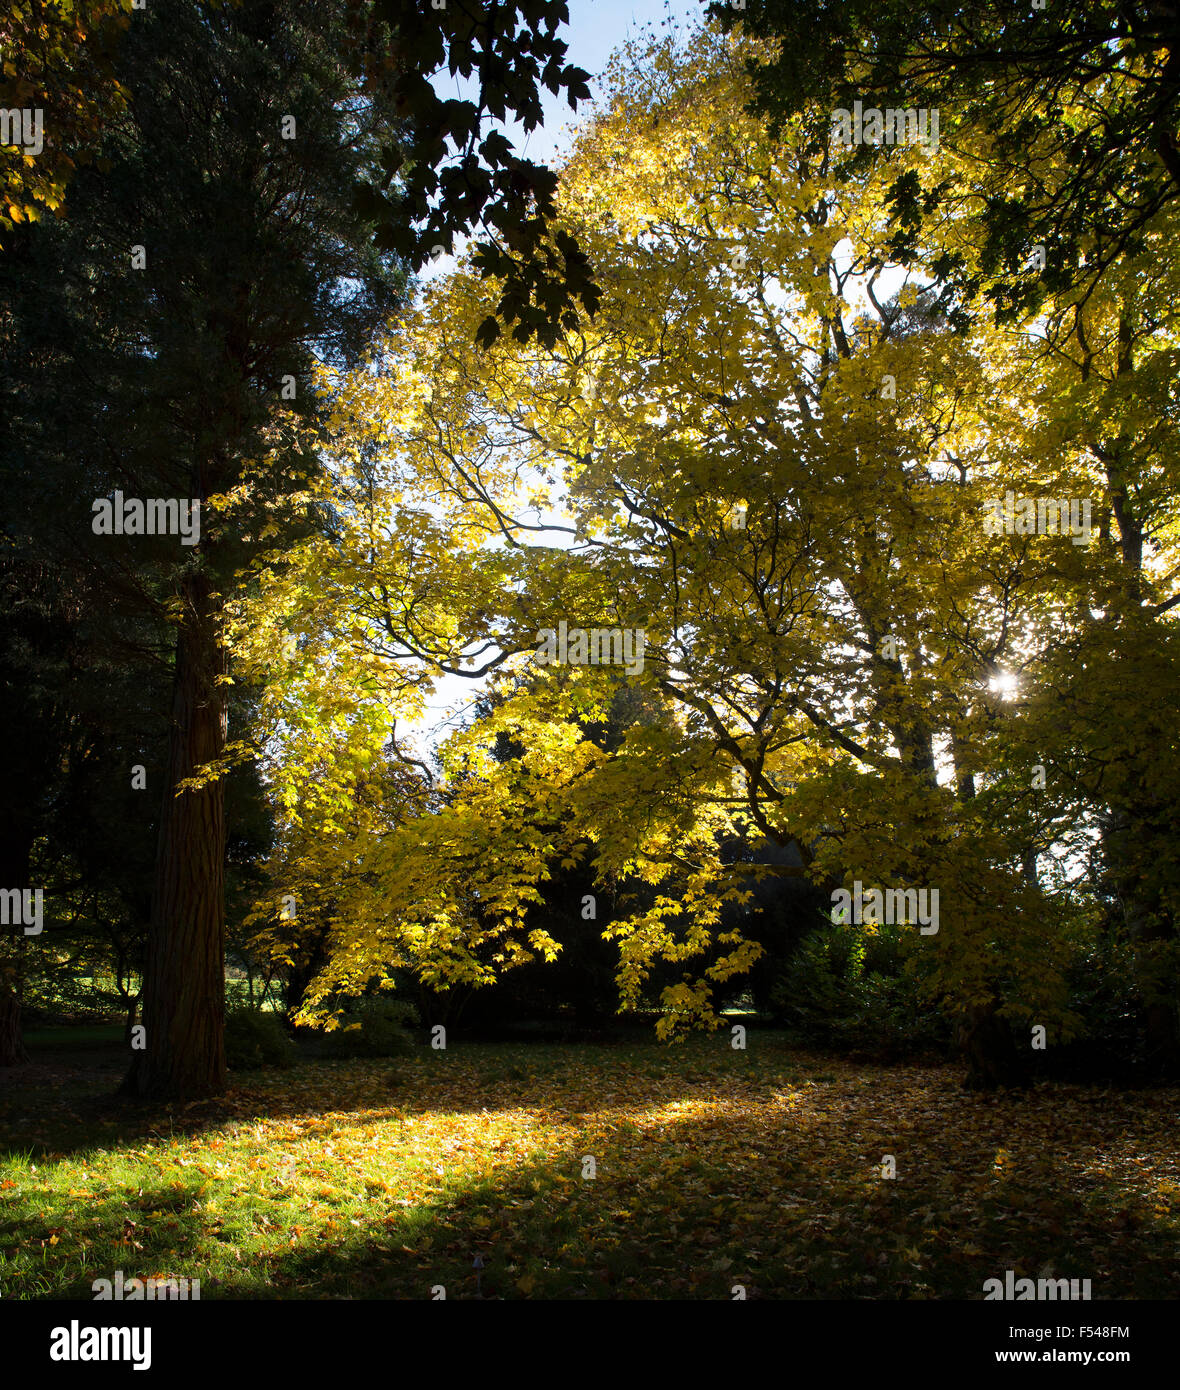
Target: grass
(713,1167)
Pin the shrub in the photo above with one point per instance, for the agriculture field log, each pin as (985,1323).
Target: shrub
(851,989)
(254,1039)
(373,1028)
(1105,995)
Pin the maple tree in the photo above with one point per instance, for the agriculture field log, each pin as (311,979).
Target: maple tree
(837,670)
(423,198)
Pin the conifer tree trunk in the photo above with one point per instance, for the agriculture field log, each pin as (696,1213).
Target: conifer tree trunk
(184,983)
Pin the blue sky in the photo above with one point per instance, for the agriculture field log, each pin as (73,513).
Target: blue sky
(595,30)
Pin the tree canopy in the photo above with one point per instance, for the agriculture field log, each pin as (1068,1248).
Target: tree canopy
(1064,117)
(779,472)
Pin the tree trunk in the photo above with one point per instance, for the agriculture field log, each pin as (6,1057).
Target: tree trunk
(16,849)
(12,1045)
(184,982)
(986,1042)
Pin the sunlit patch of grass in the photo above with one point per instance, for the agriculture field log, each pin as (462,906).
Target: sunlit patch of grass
(713,1167)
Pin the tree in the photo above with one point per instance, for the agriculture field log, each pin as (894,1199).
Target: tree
(1066,116)
(57,67)
(784,493)
(78,720)
(202,274)
(1061,201)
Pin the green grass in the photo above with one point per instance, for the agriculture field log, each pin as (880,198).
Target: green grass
(715,1167)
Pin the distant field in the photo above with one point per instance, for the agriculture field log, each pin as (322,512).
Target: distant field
(713,1168)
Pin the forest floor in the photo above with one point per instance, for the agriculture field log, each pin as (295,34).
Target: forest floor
(711,1168)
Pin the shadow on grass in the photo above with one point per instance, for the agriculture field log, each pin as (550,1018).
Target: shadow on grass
(541,1231)
(777,1191)
(71,1106)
